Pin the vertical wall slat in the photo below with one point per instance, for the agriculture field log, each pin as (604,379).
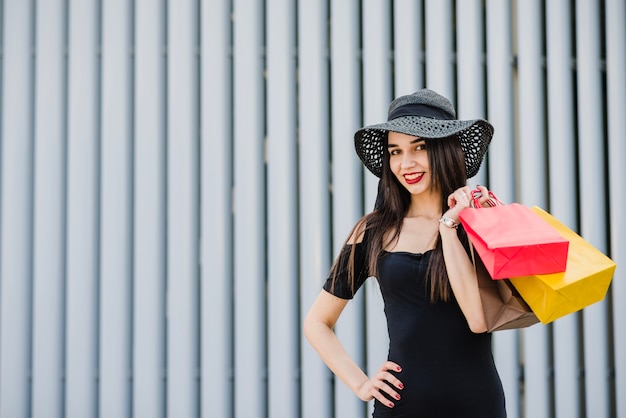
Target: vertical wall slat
(439,44)
(407,46)
(377,94)
(116,212)
(501,166)
(182,210)
(313,158)
(83,201)
(346,178)
(470,67)
(562,183)
(532,187)
(250,267)
(149,246)
(615,33)
(500,99)
(16,159)
(216,206)
(531,108)
(282,210)
(591,143)
(470,64)
(49,211)
(561,129)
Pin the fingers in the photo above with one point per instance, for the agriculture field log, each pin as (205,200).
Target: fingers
(386,382)
(384,386)
(461,197)
(390,365)
(484,195)
(389,377)
(483,190)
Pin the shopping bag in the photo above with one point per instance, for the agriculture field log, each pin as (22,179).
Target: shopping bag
(586,280)
(514,241)
(503,306)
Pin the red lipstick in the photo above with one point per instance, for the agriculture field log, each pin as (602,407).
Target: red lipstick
(412,178)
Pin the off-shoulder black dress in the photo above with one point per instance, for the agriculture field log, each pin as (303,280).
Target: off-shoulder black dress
(447,370)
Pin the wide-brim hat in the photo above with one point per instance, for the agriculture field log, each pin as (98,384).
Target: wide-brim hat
(424,114)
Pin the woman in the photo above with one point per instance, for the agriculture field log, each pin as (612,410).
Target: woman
(440,362)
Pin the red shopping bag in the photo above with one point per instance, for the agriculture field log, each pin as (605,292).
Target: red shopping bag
(512,240)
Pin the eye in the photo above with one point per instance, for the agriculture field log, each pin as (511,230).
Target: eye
(420,147)
(394,151)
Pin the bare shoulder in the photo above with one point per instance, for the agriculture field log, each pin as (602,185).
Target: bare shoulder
(358,232)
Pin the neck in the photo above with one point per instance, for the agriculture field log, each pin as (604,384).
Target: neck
(427,205)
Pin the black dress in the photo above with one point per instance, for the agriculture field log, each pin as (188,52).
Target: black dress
(447,370)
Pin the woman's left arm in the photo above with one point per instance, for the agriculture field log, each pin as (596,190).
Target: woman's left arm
(461,271)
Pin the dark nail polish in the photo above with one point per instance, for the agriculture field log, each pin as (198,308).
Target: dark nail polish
(401,386)
(398,397)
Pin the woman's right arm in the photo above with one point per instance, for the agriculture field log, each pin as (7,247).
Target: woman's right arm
(318,329)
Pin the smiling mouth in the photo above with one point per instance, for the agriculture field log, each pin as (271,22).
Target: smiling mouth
(413,178)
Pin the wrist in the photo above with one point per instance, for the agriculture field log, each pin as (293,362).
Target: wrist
(360,390)
(448,222)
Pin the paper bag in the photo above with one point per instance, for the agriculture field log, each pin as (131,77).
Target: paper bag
(513,241)
(503,306)
(585,281)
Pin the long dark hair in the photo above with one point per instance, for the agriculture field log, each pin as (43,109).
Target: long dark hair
(448,173)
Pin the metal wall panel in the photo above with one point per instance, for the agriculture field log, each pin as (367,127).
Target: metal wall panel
(408,38)
(250,212)
(501,167)
(149,212)
(216,209)
(49,211)
(83,210)
(16,211)
(177,177)
(377,93)
(471,67)
(183,362)
(615,35)
(282,211)
(314,195)
(438,19)
(593,199)
(116,211)
(501,161)
(532,189)
(347,177)
(562,186)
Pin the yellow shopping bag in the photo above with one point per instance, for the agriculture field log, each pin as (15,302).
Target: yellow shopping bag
(584,282)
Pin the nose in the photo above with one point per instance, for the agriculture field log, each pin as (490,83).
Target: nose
(407,160)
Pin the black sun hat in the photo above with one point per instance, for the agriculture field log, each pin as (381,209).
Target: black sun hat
(424,114)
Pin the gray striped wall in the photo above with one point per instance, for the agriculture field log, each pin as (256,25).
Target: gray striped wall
(177,176)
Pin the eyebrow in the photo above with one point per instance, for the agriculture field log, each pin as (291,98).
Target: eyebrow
(415,141)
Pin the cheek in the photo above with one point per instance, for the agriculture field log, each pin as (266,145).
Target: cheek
(423,160)
(394,164)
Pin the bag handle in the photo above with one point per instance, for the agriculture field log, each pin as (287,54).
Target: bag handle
(492,202)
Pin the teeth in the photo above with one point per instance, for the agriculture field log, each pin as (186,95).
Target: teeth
(411,176)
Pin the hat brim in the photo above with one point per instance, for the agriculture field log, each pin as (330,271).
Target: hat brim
(473,135)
